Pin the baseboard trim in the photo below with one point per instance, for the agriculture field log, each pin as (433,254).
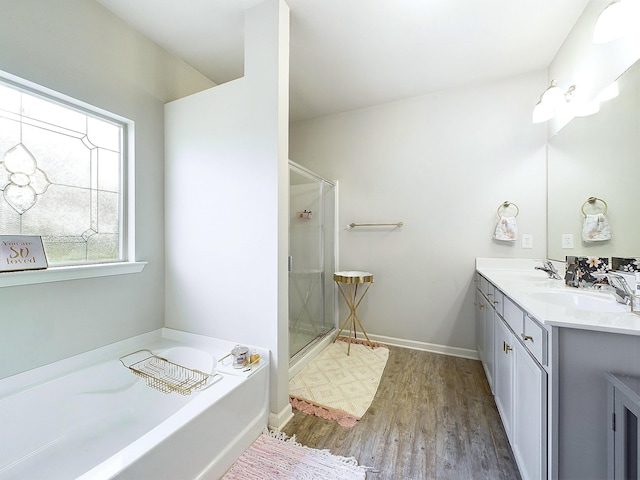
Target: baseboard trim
(426,347)
(279,420)
(301,362)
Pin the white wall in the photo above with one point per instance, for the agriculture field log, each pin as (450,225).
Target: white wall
(78,48)
(226,194)
(442,164)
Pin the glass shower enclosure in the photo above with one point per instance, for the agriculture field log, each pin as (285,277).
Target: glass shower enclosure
(312,258)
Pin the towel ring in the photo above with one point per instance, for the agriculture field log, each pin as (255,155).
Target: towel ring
(592,200)
(506,204)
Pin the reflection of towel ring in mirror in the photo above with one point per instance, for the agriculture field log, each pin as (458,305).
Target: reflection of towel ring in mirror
(506,204)
(592,200)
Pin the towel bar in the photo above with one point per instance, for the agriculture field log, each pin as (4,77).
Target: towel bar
(396,224)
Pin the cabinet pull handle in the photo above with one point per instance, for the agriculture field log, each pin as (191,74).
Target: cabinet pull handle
(526,337)
(481,306)
(506,348)
(496,302)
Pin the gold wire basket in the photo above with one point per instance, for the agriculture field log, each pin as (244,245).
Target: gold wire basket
(166,376)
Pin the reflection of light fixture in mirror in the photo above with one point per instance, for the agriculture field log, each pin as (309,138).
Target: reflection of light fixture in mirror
(586,109)
(551,100)
(614,21)
(612,91)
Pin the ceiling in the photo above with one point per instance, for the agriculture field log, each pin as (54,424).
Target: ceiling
(349,54)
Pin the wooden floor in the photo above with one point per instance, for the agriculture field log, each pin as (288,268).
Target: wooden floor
(433,417)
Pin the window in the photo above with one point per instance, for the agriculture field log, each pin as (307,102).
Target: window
(62,168)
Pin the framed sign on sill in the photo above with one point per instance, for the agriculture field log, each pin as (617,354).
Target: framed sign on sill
(22,252)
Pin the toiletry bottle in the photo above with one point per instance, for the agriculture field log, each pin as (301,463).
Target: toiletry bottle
(635,299)
(254,358)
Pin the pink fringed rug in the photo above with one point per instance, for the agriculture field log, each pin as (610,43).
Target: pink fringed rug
(337,386)
(274,457)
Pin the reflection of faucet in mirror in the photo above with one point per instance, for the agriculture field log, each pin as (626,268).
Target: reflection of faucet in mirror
(547,266)
(617,285)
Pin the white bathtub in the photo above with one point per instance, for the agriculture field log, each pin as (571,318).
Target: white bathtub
(89,417)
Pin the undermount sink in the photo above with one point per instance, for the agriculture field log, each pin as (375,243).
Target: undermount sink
(581,301)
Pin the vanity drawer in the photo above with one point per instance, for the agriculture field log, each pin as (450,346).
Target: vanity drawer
(485,287)
(498,301)
(534,337)
(513,315)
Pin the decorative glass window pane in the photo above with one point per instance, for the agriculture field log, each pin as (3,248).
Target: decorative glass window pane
(61,170)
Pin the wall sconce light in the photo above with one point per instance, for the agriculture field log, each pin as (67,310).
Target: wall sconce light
(615,21)
(551,101)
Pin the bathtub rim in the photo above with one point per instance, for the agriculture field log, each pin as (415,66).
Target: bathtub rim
(36,376)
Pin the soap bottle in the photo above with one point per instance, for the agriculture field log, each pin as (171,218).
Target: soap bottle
(254,358)
(571,274)
(635,299)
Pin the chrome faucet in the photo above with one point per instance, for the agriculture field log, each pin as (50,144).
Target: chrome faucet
(547,266)
(617,285)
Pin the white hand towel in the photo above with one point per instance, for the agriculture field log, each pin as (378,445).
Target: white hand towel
(596,228)
(506,229)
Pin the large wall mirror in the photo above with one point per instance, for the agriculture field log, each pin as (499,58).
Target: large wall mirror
(597,156)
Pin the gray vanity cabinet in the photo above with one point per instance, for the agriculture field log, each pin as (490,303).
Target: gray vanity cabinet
(550,386)
(519,381)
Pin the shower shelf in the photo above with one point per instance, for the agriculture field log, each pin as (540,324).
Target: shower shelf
(165,376)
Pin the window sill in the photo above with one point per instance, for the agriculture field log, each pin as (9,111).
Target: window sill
(76,272)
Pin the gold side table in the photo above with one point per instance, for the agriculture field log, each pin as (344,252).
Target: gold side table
(351,280)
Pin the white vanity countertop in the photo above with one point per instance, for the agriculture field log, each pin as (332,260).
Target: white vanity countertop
(518,279)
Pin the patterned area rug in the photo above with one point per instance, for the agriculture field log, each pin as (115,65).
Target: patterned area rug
(274,457)
(337,386)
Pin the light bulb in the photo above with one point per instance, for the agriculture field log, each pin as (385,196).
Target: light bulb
(553,96)
(614,21)
(542,112)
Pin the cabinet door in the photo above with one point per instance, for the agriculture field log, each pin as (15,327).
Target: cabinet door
(490,317)
(623,439)
(529,428)
(503,372)
(484,332)
(481,307)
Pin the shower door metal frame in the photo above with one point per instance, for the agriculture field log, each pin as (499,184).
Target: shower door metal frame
(327,270)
